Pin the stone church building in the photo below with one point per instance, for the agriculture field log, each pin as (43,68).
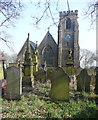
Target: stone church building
(65,51)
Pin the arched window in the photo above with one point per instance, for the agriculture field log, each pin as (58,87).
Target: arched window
(68,23)
(48,55)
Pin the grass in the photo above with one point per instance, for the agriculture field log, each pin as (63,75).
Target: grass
(37,104)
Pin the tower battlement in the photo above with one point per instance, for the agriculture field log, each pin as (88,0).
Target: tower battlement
(68,13)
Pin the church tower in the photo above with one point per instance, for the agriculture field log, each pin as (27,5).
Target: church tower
(68,39)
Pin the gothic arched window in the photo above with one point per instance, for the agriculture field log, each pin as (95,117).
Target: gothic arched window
(68,23)
(48,55)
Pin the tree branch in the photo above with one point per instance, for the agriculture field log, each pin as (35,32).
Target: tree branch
(39,19)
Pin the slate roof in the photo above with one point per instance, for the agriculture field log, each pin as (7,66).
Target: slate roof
(48,36)
(32,44)
(47,39)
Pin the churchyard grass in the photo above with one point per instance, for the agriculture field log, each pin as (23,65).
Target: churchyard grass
(37,104)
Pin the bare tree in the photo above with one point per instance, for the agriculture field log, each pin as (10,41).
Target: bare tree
(90,12)
(9,11)
(47,12)
(87,58)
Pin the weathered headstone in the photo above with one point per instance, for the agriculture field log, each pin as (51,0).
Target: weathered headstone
(14,83)
(40,76)
(59,85)
(83,81)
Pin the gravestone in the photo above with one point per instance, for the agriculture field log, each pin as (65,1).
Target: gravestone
(59,85)
(40,76)
(83,81)
(14,83)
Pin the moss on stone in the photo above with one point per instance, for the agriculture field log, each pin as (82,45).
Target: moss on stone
(59,85)
(35,61)
(70,70)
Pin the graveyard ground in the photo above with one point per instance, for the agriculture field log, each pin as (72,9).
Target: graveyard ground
(37,104)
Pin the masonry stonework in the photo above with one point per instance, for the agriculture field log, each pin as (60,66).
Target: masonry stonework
(68,32)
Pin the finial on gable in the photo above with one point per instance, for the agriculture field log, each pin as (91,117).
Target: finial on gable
(28,43)
(28,35)
(48,29)
(36,44)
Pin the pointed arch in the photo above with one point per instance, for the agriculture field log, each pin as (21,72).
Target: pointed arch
(48,55)
(68,23)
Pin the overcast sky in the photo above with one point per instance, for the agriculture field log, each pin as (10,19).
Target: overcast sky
(25,25)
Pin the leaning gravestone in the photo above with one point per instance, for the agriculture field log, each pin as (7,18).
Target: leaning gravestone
(83,81)
(14,83)
(59,85)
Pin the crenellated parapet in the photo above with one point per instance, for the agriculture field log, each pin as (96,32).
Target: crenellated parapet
(68,13)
